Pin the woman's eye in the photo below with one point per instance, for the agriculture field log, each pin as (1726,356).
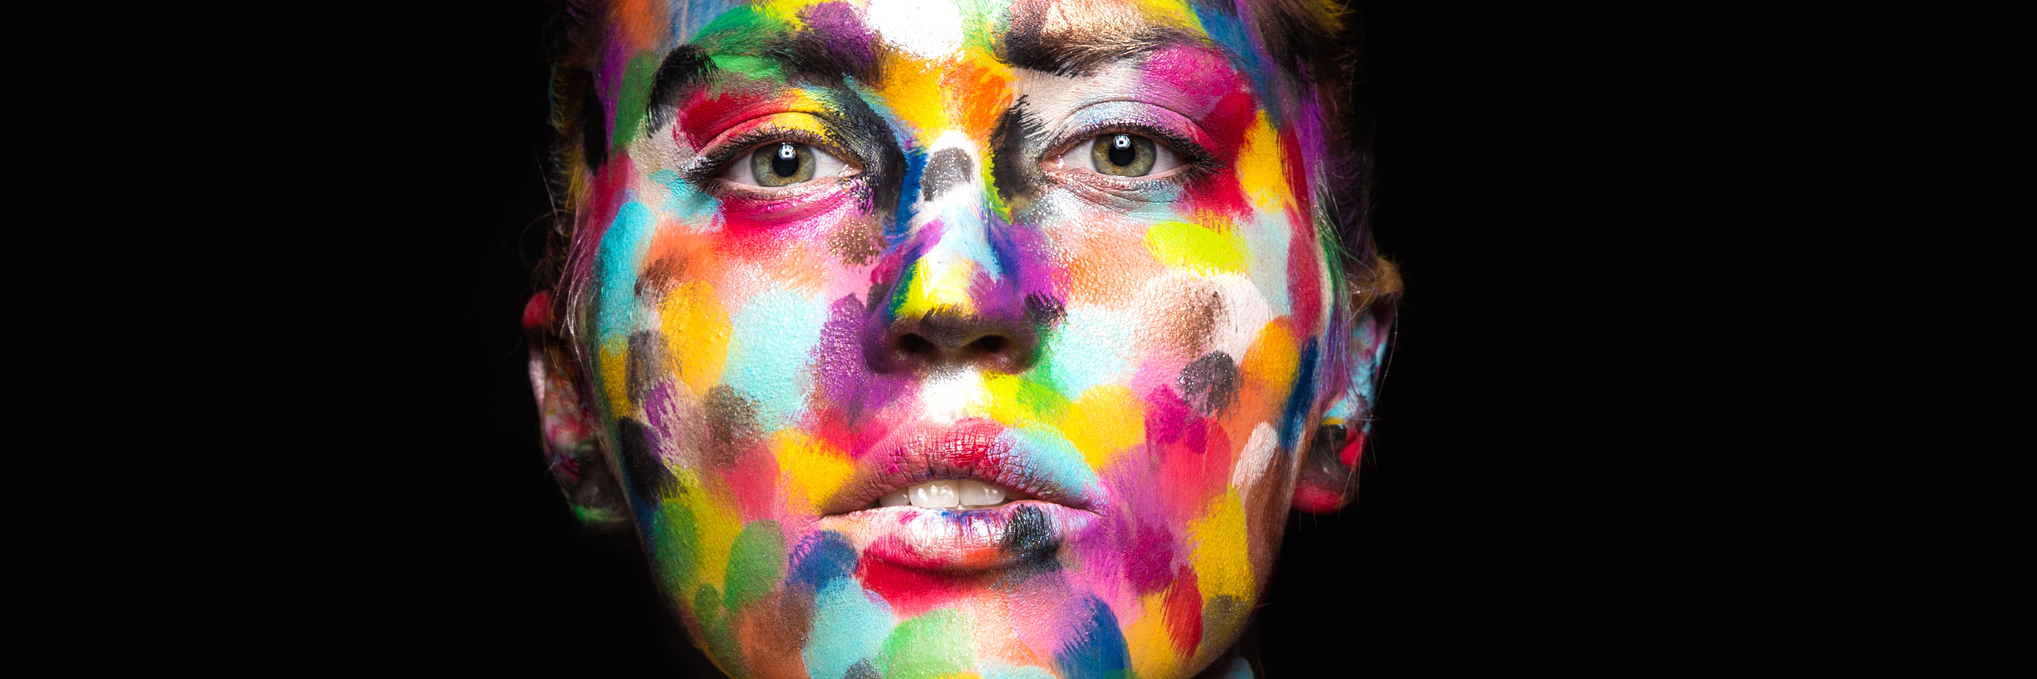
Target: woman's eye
(783,163)
(1121,154)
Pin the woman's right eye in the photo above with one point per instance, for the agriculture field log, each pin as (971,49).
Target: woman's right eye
(783,163)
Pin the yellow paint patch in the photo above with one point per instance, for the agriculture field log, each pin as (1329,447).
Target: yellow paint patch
(786,11)
(1146,638)
(696,334)
(809,465)
(1261,170)
(1222,565)
(614,369)
(912,89)
(1018,402)
(937,285)
(1105,420)
(1196,247)
(1273,358)
(1170,13)
(715,527)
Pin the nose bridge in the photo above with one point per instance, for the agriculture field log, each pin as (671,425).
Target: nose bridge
(957,298)
(957,270)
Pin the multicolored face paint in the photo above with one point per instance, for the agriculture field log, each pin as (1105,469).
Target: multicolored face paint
(954,339)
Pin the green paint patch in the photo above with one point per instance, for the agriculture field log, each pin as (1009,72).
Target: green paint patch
(1192,246)
(935,644)
(634,103)
(754,68)
(677,545)
(755,563)
(717,626)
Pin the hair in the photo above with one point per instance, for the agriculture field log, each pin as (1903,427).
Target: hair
(1315,46)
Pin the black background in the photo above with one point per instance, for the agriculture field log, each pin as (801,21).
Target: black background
(1505,513)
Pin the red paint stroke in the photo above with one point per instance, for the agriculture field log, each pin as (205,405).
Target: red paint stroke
(1354,448)
(911,591)
(1183,613)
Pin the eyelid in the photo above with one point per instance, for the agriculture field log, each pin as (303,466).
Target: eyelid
(746,137)
(1137,118)
(1192,157)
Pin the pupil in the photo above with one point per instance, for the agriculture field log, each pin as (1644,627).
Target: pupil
(787,162)
(1121,152)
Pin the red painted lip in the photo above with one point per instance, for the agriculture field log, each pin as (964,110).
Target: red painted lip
(972,449)
(960,539)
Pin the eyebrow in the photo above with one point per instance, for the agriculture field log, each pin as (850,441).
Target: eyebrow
(825,58)
(1082,52)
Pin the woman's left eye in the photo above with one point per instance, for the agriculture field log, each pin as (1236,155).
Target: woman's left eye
(783,163)
(1121,154)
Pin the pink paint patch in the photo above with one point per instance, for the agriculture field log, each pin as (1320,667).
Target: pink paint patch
(1201,73)
(1315,499)
(753,483)
(1304,276)
(1353,449)
(538,313)
(1149,562)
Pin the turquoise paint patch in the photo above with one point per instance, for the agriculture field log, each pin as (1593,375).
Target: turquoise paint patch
(622,247)
(1269,237)
(964,236)
(771,340)
(848,626)
(686,203)
(1057,459)
(1087,350)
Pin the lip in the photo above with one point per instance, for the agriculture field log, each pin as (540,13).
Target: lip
(953,540)
(973,449)
(1061,505)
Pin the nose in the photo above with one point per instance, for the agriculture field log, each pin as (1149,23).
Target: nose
(958,297)
(948,339)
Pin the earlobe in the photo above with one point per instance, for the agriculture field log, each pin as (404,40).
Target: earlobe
(1327,479)
(567,426)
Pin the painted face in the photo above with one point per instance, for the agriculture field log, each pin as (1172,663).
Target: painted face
(936,338)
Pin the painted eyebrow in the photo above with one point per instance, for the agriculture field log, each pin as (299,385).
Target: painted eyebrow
(807,56)
(682,69)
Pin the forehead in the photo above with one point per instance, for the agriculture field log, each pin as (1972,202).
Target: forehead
(885,42)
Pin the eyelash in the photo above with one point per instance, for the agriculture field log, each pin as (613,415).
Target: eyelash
(742,145)
(1195,160)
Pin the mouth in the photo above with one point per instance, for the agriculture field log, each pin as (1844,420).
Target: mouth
(963,497)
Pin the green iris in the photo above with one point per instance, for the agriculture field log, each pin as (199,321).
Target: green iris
(784,164)
(1123,155)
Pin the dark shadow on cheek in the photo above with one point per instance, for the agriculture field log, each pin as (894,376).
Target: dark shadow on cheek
(593,126)
(731,426)
(648,478)
(1210,383)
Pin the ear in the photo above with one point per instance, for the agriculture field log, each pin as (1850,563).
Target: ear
(567,426)
(1328,477)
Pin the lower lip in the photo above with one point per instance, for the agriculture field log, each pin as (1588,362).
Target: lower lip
(1007,535)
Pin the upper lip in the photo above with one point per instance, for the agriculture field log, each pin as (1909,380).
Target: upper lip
(974,450)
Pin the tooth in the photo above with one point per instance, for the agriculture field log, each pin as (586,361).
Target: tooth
(976,494)
(894,500)
(934,494)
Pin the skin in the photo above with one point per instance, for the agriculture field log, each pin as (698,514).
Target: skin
(738,372)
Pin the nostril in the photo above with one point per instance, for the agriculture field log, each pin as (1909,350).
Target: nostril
(915,345)
(990,344)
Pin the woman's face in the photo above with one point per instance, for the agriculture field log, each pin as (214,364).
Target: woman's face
(934,338)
